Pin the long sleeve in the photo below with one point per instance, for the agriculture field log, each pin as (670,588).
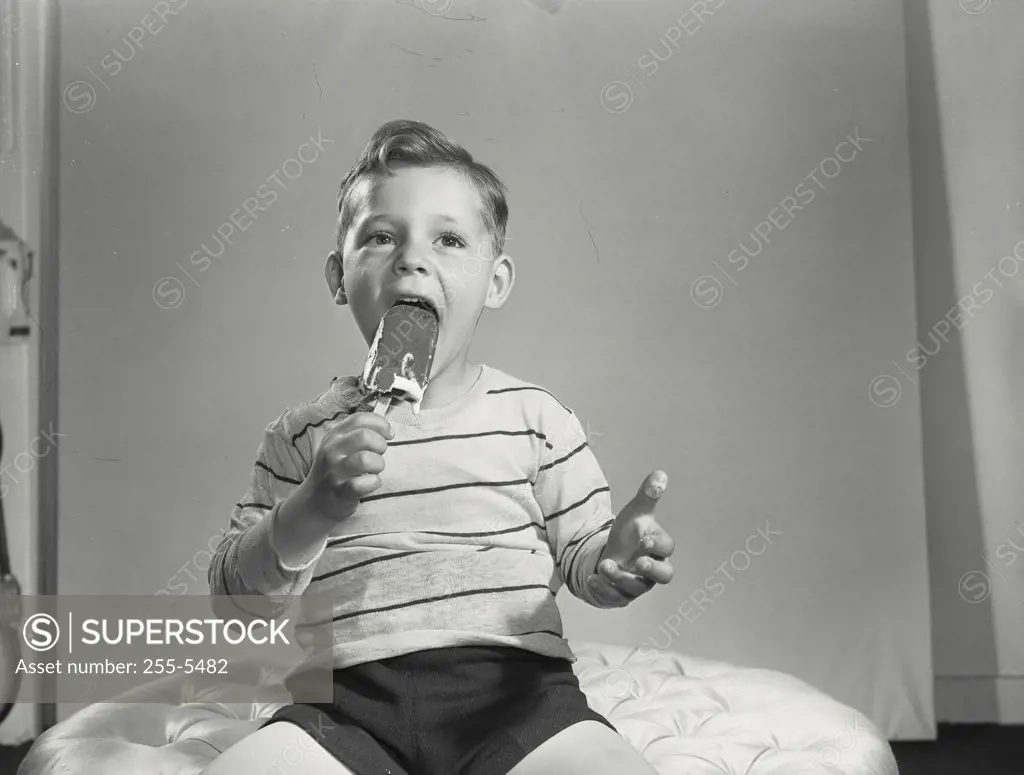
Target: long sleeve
(246,561)
(575,500)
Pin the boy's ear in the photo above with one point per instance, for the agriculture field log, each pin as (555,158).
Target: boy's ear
(335,274)
(503,277)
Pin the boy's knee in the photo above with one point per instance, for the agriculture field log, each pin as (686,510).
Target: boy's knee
(587,747)
(281,748)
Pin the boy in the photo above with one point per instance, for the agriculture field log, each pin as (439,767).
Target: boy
(492,479)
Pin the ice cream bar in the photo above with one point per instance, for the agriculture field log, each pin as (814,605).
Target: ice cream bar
(398,364)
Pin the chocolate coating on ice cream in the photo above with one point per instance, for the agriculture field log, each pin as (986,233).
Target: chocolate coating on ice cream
(402,351)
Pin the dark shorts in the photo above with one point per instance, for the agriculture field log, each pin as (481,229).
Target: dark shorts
(469,710)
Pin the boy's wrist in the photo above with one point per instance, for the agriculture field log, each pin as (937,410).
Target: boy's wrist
(297,534)
(299,512)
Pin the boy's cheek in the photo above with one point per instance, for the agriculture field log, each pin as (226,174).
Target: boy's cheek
(463,287)
(359,280)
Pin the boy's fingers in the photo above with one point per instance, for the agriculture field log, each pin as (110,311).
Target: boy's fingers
(363,485)
(362,462)
(655,543)
(349,437)
(359,440)
(658,571)
(658,543)
(630,585)
(364,420)
(606,593)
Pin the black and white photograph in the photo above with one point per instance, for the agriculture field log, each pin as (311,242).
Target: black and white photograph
(511,387)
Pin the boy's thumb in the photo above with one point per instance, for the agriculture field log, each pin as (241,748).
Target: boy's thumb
(650,492)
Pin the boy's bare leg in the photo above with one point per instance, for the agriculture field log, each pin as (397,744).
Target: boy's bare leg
(586,748)
(280,748)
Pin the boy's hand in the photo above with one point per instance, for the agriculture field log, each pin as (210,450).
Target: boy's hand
(346,466)
(636,555)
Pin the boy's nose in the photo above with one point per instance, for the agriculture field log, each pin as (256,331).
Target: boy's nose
(411,261)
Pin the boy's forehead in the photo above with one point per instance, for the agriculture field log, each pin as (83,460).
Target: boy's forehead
(413,185)
(439,190)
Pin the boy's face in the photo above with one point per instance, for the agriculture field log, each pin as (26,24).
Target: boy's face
(420,233)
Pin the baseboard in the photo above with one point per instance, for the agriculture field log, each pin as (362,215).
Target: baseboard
(979,699)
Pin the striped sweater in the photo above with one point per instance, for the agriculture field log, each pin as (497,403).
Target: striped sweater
(488,506)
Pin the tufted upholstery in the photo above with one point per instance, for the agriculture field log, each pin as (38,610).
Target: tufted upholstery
(687,715)
(696,716)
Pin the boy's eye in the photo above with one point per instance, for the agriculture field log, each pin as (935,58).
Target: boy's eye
(379,238)
(452,240)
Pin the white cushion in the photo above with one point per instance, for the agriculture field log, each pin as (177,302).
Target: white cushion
(702,717)
(686,715)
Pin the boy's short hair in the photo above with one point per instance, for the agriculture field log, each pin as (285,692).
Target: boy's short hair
(413,142)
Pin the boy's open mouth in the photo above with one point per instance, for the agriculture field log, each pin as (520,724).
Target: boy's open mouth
(423,304)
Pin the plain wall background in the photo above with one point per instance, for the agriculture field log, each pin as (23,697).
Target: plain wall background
(967,120)
(758,407)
